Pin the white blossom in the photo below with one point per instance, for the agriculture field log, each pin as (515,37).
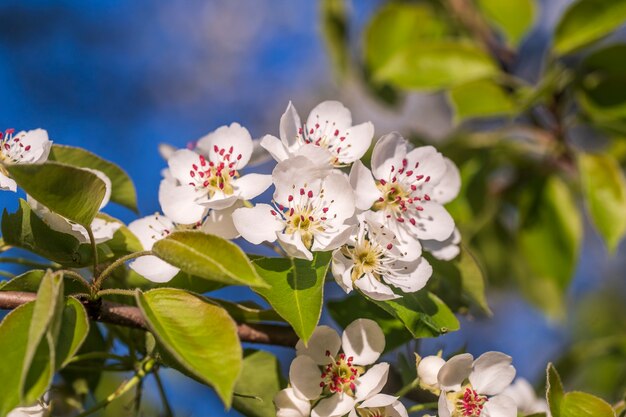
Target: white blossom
(37,410)
(23,148)
(329,126)
(374,260)
(444,250)
(210,178)
(407,189)
(474,388)
(337,373)
(311,211)
(525,397)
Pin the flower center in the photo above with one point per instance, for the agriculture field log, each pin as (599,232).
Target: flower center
(401,194)
(325,136)
(216,174)
(340,375)
(368,258)
(305,213)
(469,403)
(371,412)
(11,148)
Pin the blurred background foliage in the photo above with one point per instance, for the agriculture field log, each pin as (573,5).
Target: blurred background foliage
(527,97)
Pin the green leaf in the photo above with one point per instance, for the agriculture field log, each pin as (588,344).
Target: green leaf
(296,289)
(399,26)
(209,257)
(464,277)
(335,31)
(604,189)
(199,335)
(513,17)
(437,65)
(602,84)
(85,380)
(550,239)
(122,187)
(39,358)
(482,98)
(422,313)
(346,310)
(31,280)
(14,334)
(554,390)
(587,21)
(260,378)
(73,332)
(74,193)
(25,230)
(581,404)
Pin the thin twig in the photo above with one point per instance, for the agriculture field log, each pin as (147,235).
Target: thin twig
(97,283)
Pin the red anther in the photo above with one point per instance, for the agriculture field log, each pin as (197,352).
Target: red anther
(427,178)
(322,384)
(239,157)
(352,386)
(325,209)
(323,218)
(193,174)
(400,219)
(419,177)
(409,173)
(426,197)
(222,151)
(216,149)
(342,138)
(300,130)
(221,185)
(206,183)
(404,162)
(230,150)
(383,182)
(273,212)
(301,191)
(389,246)
(9,132)
(419,208)
(412,220)
(413,187)
(310,194)
(290,198)
(301,217)
(317,125)
(311,218)
(336,132)
(291,211)
(311,131)
(393,168)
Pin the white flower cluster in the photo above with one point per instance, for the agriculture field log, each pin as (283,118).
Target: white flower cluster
(335,376)
(376,222)
(478,388)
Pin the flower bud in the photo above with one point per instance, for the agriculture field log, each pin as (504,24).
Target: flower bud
(428,369)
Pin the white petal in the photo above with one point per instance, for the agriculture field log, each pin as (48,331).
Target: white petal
(335,406)
(288,404)
(357,142)
(388,151)
(444,250)
(166,150)
(342,270)
(290,124)
(455,371)
(251,185)
(428,369)
(39,144)
(149,229)
(178,202)
(220,222)
(412,276)
(397,410)
(500,406)
(433,222)
(364,186)
(102,230)
(324,339)
(293,245)
(330,113)
(259,154)
(305,377)
(257,224)
(154,269)
(372,381)
(295,173)
(364,340)
(338,197)
(181,165)
(330,241)
(450,184)
(375,289)
(7,183)
(492,372)
(36,410)
(443,406)
(219,201)
(319,156)
(225,137)
(379,400)
(430,164)
(275,147)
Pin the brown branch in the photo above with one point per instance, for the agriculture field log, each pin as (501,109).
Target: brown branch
(129,316)
(470,17)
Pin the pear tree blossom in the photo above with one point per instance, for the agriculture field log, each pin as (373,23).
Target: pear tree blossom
(210,178)
(329,126)
(427,370)
(374,261)
(22,148)
(312,210)
(380,405)
(474,388)
(336,373)
(407,188)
